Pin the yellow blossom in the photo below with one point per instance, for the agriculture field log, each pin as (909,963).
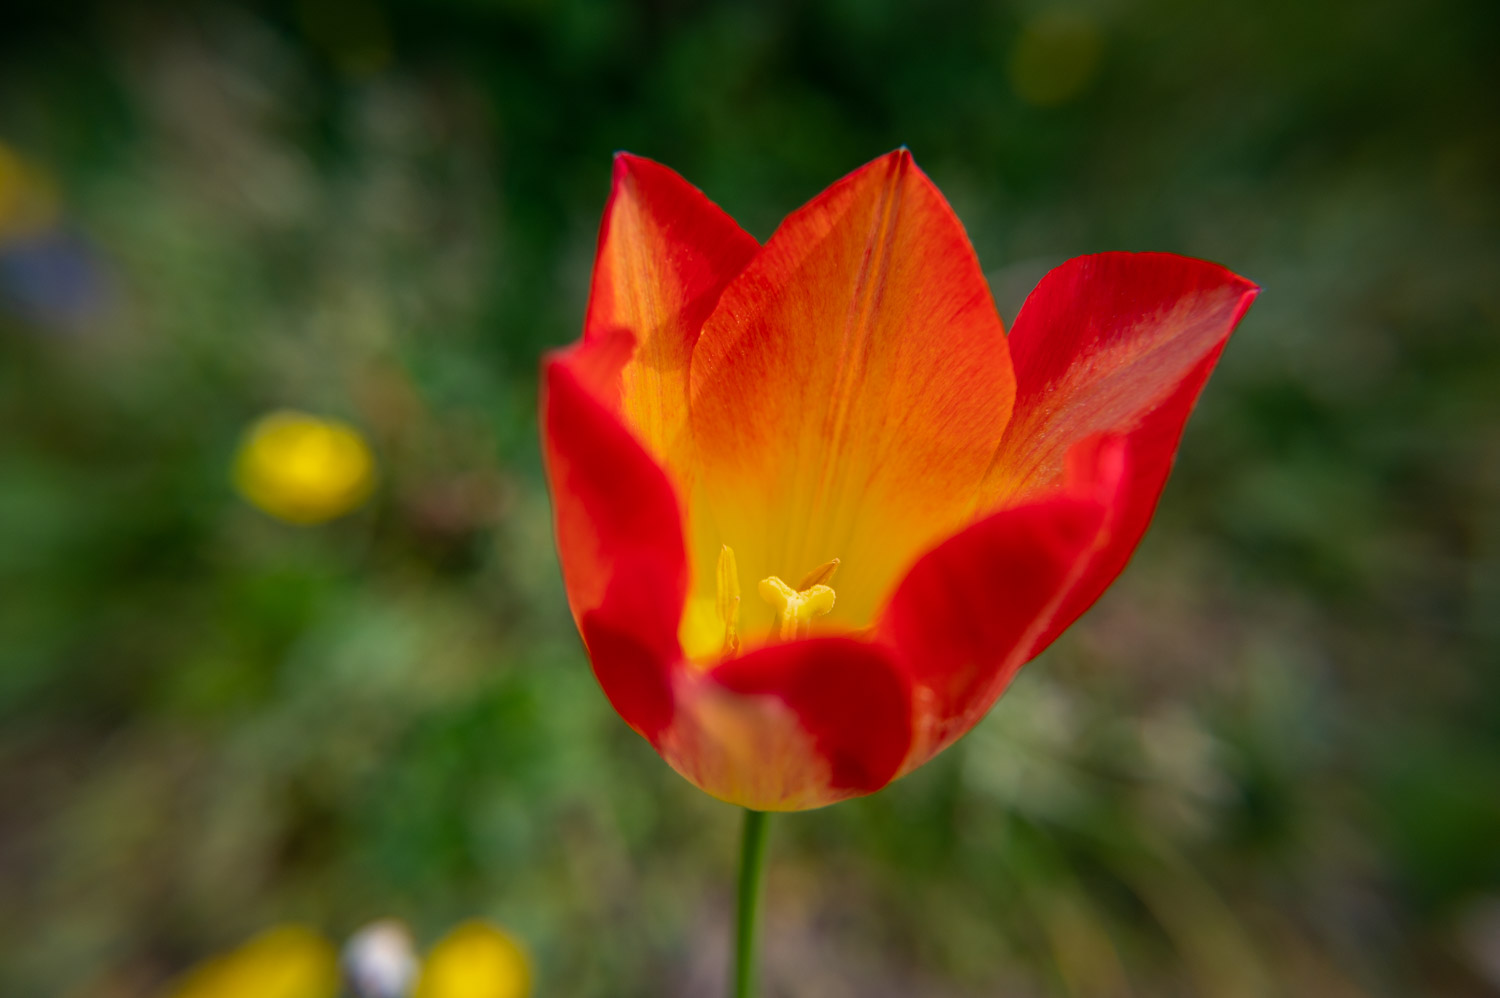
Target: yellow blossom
(304,469)
(475,960)
(1056,57)
(284,962)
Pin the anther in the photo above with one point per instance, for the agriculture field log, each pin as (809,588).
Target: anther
(819,575)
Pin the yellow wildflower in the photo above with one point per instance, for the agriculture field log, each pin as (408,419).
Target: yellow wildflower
(475,960)
(304,469)
(284,962)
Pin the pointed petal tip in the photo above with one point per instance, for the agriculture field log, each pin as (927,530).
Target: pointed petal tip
(900,158)
(630,166)
(1208,271)
(894,163)
(1248,288)
(625,163)
(1249,291)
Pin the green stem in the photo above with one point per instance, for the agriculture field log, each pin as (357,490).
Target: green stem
(752,866)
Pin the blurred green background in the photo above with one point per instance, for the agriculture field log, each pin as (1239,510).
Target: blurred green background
(1267,763)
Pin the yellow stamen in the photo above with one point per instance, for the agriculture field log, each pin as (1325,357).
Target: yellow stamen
(729,599)
(819,575)
(795,609)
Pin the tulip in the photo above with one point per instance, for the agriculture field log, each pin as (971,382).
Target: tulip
(814,508)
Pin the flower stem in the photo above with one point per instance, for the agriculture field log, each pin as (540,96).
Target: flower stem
(752,866)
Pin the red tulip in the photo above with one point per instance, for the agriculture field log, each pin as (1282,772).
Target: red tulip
(814,508)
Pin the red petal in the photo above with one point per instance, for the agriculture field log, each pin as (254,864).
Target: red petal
(619,533)
(1117,343)
(851,388)
(793,726)
(966,614)
(665,253)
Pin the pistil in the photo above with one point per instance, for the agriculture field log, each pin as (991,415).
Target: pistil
(795,608)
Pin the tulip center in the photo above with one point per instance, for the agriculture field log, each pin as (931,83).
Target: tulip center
(795,608)
(710,629)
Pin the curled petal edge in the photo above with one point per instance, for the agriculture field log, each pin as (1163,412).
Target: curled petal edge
(965,616)
(1113,343)
(619,535)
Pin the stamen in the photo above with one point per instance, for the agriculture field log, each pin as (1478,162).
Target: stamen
(710,627)
(795,609)
(819,575)
(729,599)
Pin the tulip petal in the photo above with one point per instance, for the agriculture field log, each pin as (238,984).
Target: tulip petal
(1117,343)
(793,726)
(850,389)
(619,532)
(965,616)
(665,253)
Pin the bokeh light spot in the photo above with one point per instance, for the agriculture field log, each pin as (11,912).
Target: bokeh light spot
(476,960)
(284,962)
(304,469)
(28,197)
(1055,57)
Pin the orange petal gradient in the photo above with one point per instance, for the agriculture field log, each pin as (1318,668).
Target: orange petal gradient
(850,388)
(665,253)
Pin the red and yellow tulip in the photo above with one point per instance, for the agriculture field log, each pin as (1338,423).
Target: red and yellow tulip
(814,508)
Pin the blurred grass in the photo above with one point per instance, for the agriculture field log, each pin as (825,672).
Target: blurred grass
(1266,764)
